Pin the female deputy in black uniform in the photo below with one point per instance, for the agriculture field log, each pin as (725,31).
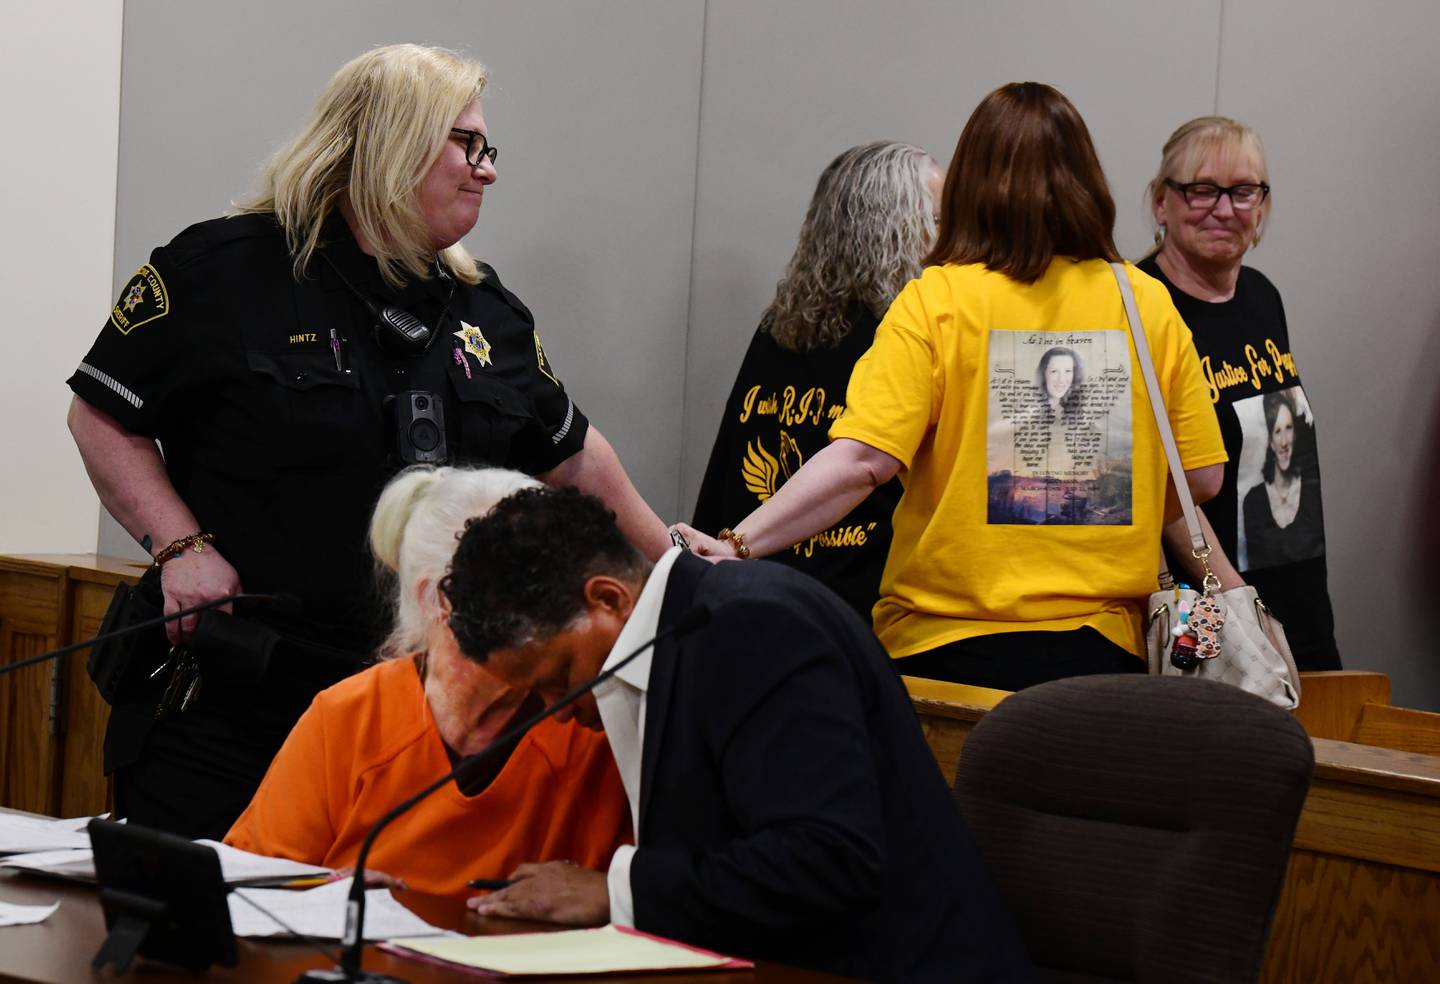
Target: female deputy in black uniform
(272,356)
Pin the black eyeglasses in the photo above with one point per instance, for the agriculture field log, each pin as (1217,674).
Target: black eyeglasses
(1206,194)
(478,148)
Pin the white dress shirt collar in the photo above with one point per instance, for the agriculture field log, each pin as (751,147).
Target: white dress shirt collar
(642,625)
(621,701)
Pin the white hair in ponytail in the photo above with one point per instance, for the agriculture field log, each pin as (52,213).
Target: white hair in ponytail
(417,520)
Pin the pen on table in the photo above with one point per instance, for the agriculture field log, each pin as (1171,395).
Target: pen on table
(311,882)
(490,884)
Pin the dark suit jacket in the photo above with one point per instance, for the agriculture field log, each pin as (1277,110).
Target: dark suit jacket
(790,809)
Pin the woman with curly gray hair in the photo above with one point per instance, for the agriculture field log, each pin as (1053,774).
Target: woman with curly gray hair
(869,222)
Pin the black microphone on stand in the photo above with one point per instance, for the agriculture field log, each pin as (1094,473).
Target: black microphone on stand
(354,940)
(285,604)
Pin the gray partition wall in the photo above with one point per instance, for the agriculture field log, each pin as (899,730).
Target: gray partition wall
(1347,97)
(789,85)
(657,157)
(592,106)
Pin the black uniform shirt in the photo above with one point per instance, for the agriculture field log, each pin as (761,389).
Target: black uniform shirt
(215,350)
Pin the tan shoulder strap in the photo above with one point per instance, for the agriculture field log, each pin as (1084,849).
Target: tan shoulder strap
(1157,405)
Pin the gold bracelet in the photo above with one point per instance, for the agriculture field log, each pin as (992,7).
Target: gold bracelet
(738,539)
(195,541)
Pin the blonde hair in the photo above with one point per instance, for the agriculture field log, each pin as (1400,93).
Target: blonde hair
(869,222)
(372,137)
(417,521)
(1195,142)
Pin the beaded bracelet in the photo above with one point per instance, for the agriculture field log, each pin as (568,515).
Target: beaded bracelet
(738,539)
(195,541)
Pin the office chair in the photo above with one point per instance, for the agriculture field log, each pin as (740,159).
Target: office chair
(1139,827)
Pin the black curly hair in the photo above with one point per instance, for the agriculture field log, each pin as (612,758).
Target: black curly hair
(519,571)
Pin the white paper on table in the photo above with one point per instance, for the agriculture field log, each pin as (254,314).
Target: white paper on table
(235,865)
(604,950)
(25,915)
(21,834)
(78,864)
(238,866)
(320,912)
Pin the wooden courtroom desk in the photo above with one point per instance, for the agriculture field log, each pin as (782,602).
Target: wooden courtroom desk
(1361,899)
(52,721)
(59,950)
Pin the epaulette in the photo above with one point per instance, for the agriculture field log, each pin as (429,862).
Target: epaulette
(212,234)
(488,274)
(489,278)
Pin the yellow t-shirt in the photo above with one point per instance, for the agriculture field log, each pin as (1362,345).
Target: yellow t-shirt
(1034,475)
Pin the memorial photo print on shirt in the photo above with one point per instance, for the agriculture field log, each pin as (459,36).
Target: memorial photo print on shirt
(1058,439)
(1277,481)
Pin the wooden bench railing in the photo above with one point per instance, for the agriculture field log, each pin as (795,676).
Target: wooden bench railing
(1354,706)
(1331,702)
(1400,728)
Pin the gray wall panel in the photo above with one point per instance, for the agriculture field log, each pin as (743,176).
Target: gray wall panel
(603,200)
(1347,101)
(593,106)
(788,86)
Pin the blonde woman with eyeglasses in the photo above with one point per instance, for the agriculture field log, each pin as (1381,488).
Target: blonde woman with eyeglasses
(1210,202)
(290,358)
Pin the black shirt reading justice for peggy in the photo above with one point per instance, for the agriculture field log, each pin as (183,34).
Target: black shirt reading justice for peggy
(215,350)
(1244,348)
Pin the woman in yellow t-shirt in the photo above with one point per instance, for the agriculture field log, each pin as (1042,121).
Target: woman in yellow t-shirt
(1030,525)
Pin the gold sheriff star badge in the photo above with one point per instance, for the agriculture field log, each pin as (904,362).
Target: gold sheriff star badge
(474,342)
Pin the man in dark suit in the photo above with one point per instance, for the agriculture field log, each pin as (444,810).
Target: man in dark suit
(785,803)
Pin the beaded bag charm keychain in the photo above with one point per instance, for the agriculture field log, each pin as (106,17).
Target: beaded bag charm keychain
(1197,635)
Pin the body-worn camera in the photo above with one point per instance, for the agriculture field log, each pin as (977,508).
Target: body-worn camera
(417,420)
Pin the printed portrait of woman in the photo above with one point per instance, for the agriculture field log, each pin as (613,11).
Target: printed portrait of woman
(1280,515)
(1059,378)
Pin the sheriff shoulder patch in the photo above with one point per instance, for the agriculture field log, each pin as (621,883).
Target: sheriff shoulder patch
(142,300)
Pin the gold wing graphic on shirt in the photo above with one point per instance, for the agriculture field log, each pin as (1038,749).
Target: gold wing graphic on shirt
(759,470)
(790,457)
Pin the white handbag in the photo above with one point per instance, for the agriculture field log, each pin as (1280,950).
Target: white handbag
(1253,653)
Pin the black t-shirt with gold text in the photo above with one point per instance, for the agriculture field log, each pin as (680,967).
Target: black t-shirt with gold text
(1268,516)
(778,415)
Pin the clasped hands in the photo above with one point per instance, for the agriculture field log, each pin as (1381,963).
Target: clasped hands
(704,545)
